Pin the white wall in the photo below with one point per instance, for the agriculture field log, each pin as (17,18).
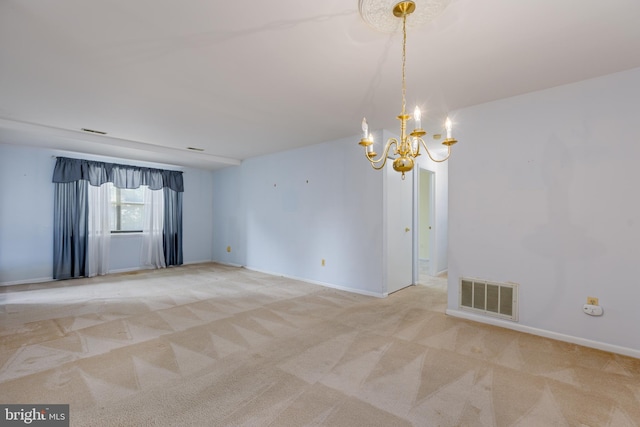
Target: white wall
(543,192)
(26,216)
(284,213)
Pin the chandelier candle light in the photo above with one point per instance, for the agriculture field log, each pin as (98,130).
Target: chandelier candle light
(408,147)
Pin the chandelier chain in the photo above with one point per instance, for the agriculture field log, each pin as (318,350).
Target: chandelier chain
(404,59)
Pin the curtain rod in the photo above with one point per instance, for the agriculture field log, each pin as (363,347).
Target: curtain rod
(125,164)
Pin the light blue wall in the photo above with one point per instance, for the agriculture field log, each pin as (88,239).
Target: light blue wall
(26,216)
(197,211)
(284,213)
(543,191)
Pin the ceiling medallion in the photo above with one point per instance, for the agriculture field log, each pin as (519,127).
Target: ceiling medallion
(379,14)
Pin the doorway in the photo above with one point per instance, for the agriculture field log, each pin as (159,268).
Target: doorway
(426,224)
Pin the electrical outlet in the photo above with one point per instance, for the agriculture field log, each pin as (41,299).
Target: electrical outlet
(228,248)
(592,301)
(592,310)
(323,263)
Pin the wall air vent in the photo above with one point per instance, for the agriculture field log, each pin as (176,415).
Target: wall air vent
(491,299)
(99,132)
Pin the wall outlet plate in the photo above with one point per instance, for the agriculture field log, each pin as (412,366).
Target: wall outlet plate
(592,310)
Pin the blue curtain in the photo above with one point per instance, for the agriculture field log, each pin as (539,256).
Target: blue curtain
(172,230)
(70,236)
(70,231)
(122,176)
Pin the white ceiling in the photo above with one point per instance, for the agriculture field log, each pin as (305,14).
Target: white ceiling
(240,79)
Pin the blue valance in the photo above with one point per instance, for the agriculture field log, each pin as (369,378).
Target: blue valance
(122,176)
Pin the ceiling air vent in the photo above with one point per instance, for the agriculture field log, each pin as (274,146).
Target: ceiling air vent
(492,299)
(99,132)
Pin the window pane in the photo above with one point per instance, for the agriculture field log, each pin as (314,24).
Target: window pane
(131,217)
(131,195)
(113,217)
(126,209)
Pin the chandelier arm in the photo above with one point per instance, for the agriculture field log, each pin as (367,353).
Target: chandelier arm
(417,152)
(383,158)
(431,157)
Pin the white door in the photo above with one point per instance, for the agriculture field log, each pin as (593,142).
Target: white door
(398,199)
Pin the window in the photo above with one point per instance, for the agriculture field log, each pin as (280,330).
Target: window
(126,210)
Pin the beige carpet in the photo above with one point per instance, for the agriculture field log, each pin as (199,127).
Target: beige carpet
(209,345)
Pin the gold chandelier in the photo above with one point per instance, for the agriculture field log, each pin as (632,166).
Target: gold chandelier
(408,147)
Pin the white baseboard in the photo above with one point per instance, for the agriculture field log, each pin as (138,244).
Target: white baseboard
(198,262)
(325,284)
(114,271)
(128,270)
(230,264)
(625,351)
(27,281)
(144,267)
